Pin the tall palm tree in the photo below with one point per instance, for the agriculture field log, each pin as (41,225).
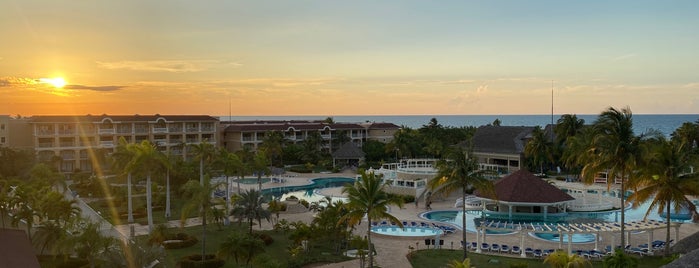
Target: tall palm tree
(147,159)
(229,163)
(367,198)
(25,202)
(539,149)
(170,162)
(567,126)
(261,166)
(614,149)
(249,206)
(199,198)
(5,199)
(577,151)
(561,259)
(205,153)
(273,145)
(666,180)
(121,157)
(460,173)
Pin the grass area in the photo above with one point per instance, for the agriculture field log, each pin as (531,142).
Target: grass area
(278,250)
(440,258)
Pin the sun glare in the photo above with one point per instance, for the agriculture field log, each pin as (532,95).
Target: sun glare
(57,82)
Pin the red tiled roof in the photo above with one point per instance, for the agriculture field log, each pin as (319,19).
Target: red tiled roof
(524,187)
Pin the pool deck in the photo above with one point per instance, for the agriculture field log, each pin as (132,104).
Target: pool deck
(391,251)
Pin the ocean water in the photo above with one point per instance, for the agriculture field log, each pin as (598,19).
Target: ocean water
(665,123)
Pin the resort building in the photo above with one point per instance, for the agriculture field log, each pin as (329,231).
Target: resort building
(71,141)
(408,176)
(501,148)
(14,132)
(524,196)
(238,135)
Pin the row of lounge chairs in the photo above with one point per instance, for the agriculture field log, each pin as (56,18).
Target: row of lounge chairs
(642,250)
(645,249)
(445,228)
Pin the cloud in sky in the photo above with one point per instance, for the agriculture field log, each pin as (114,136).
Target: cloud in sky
(172,66)
(94,88)
(37,83)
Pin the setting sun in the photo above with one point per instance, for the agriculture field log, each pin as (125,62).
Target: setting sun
(57,82)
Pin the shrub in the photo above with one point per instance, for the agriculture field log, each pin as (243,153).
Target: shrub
(268,240)
(304,203)
(195,261)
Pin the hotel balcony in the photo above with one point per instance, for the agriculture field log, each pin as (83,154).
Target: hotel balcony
(175,129)
(45,144)
(141,130)
(124,130)
(67,144)
(66,132)
(107,144)
(45,133)
(159,130)
(105,131)
(192,129)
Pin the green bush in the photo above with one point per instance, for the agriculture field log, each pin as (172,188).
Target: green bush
(268,240)
(300,169)
(195,261)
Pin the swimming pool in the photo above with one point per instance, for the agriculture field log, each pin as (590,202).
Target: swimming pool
(308,191)
(409,231)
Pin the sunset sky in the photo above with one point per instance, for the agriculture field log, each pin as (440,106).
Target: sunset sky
(347,57)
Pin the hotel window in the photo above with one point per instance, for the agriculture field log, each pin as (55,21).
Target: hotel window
(2,139)
(2,126)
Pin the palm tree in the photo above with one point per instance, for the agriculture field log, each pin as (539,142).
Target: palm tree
(230,164)
(5,199)
(204,152)
(249,206)
(273,145)
(561,259)
(261,166)
(466,263)
(121,157)
(568,126)
(619,260)
(199,197)
(147,159)
(91,244)
(460,173)
(367,198)
(614,149)
(232,246)
(25,202)
(577,151)
(169,160)
(666,180)
(539,149)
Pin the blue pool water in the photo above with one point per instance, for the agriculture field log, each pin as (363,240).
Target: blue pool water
(307,191)
(412,231)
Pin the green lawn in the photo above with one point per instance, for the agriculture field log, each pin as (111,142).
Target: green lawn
(439,258)
(278,250)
